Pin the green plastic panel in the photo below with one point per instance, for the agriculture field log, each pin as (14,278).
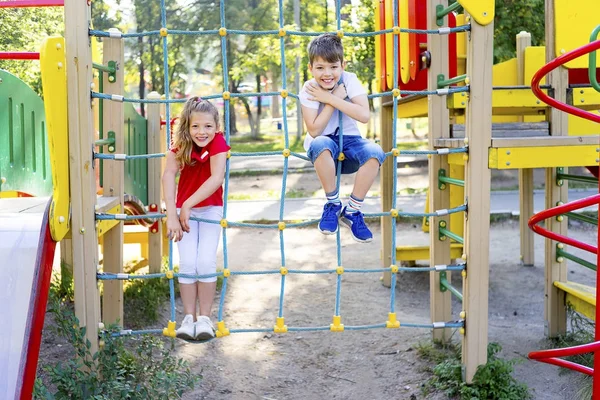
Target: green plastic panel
(136,142)
(24,155)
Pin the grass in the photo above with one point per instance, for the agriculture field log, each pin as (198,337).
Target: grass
(270,195)
(245,144)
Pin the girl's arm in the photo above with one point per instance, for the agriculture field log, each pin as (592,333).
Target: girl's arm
(174,230)
(217,175)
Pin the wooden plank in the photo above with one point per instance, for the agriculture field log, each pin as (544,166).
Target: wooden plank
(450,143)
(509,129)
(542,157)
(477,191)
(439,120)
(387,192)
(555,312)
(156,144)
(81,171)
(106,203)
(549,141)
(114,184)
(581,297)
(416,253)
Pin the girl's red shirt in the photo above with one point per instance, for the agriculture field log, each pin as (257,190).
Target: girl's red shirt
(193,176)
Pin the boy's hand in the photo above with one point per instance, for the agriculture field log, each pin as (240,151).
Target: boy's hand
(317,93)
(340,91)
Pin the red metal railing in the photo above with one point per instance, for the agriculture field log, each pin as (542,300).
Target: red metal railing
(557,62)
(18,55)
(31,3)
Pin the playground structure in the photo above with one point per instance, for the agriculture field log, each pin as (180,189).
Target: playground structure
(472,105)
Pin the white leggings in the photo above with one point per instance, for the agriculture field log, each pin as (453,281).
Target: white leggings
(198,247)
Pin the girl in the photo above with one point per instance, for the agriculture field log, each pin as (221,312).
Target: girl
(199,156)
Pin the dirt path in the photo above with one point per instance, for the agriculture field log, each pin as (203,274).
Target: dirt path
(371,364)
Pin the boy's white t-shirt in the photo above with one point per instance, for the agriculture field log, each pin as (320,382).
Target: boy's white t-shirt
(353,89)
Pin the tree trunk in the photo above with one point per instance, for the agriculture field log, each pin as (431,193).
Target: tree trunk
(258,107)
(232,117)
(275,105)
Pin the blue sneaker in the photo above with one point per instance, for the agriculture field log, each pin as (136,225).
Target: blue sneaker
(329,220)
(356,223)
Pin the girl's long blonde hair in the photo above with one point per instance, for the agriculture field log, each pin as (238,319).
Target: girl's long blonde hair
(183,140)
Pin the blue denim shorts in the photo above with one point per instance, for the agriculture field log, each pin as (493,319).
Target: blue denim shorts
(356,149)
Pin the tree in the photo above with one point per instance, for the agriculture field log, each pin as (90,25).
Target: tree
(24,29)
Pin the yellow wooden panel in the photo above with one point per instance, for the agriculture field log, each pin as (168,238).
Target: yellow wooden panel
(505,73)
(505,102)
(581,297)
(580,126)
(535,58)
(103,226)
(415,253)
(54,83)
(481,11)
(404,43)
(461,40)
(542,157)
(412,109)
(456,159)
(574,24)
(378,64)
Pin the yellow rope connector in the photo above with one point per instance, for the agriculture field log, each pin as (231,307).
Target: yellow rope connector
(281,225)
(465,157)
(280,326)
(462,331)
(395,152)
(394,212)
(282,32)
(463,273)
(223,223)
(226,95)
(223,31)
(221,330)
(340,33)
(283,271)
(229,154)
(467,80)
(284,93)
(101,343)
(341,157)
(396,92)
(463,314)
(226,273)
(169,274)
(391,322)
(169,331)
(337,326)
(339,270)
(286,152)
(396,30)
(394,269)
(163,32)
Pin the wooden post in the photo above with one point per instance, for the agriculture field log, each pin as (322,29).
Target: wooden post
(555,313)
(114,181)
(525,175)
(438,120)
(478,131)
(81,171)
(387,188)
(156,144)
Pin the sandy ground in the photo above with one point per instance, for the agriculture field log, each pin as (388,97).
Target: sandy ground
(371,364)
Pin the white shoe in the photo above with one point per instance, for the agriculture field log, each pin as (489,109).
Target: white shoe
(187,330)
(204,328)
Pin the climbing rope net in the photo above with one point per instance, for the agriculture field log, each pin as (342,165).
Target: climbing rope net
(227,273)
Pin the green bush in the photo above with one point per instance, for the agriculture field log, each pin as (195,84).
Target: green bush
(492,381)
(149,371)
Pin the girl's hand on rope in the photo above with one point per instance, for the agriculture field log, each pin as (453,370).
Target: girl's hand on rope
(174,230)
(317,93)
(184,218)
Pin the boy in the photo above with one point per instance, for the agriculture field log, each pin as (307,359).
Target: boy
(331,91)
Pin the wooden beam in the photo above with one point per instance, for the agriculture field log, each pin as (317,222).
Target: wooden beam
(387,189)
(81,168)
(477,189)
(114,183)
(439,127)
(525,175)
(156,144)
(555,313)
